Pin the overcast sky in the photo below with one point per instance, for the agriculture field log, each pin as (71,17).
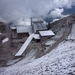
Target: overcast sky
(16,9)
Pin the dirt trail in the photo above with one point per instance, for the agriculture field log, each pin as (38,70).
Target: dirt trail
(65,34)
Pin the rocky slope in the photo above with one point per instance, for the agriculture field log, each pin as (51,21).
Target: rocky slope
(59,61)
(6,48)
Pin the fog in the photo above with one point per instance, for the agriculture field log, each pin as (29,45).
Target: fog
(12,10)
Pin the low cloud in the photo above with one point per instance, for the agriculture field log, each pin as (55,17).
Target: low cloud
(57,13)
(2,20)
(12,10)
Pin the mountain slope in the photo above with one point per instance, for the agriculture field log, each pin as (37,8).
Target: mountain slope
(60,61)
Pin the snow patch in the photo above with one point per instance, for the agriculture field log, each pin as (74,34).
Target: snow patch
(72,35)
(0,33)
(10,62)
(50,42)
(59,34)
(5,40)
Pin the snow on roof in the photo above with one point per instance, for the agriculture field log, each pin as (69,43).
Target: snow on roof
(46,33)
(12,27)
(23,29)
(36,36)
(39,26)
(24,46)
(5,40)
(72,35)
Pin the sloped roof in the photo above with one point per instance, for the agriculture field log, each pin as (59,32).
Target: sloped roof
(39,26)
(46,33)
(24,29)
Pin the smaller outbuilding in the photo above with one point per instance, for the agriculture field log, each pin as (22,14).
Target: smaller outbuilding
(36,37)
(46,34)
(38,24)
(23,31)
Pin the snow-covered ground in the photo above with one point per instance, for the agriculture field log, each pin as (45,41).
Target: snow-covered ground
(51,42)
(59,34)
(60,61)
(72,35)
(54,39)
(28,58)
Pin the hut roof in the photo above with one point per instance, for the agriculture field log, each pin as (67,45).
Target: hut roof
(46,33)
(39,26)
(36,36)
(24,29)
